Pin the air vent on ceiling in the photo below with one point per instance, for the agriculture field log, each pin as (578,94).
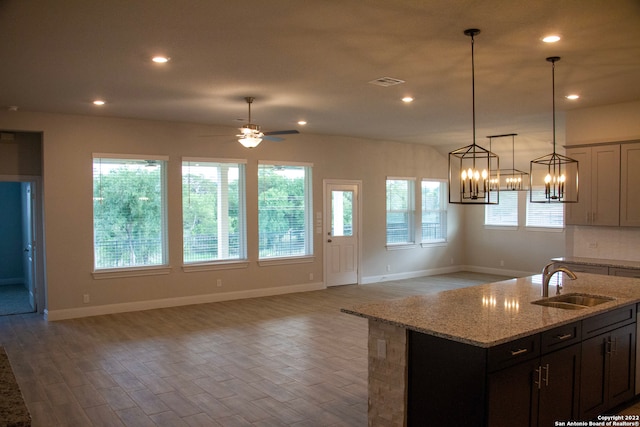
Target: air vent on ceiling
(386,81)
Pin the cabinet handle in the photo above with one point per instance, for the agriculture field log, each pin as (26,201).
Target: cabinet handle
(564,337)
(539,382)
(518,352)
(546,375)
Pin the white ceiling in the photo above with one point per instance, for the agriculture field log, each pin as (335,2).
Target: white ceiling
(313,60)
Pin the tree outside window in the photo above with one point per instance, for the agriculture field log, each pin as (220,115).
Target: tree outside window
(284,211)
(213,211)
(128,213)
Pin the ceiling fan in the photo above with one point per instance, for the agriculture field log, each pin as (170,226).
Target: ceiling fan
(250,134)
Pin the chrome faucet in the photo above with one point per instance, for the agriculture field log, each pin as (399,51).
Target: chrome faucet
(547,274)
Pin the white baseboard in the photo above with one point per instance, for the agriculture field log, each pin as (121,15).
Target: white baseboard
(410,274)
(97,310)
(444,270)
(497,271)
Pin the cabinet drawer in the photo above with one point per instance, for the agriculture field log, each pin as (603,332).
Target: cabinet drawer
(608,321)
(560,337)
(624,272)
(508,354)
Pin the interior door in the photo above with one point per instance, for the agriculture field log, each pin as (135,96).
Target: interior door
(341,232)
(29,247)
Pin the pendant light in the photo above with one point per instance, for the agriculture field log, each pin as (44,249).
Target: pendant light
(554,177)
(510,179)
(472,168)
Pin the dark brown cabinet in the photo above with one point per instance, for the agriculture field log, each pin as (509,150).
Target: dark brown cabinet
(541,391)
(573,372)
(608,371)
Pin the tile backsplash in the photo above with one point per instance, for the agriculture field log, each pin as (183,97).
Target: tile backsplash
(621,243)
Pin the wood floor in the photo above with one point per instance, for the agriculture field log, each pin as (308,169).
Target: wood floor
(291,360)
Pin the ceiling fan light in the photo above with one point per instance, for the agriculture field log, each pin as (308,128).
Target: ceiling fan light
(249,141)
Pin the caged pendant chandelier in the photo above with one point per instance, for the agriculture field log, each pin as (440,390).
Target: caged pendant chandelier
(509,179)
(554,177)
(473,168)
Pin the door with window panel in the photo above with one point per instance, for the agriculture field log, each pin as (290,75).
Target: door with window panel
(342,240)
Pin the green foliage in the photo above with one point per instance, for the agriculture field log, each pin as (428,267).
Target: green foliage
(281,207)
(128,217)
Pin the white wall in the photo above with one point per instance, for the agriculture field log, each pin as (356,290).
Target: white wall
(68,144)
(510,251)
(609,123)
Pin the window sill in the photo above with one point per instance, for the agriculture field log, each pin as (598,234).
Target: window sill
(401,246)
(131,272)
(501,227)
(546,229)
(286,260)
(433,244)
(210,266)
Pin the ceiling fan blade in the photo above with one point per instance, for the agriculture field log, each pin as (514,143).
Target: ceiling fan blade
(272,138)
(282,132)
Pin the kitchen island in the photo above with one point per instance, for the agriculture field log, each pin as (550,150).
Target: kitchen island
(444,359)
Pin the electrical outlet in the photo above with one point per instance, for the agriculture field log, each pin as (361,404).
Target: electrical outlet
(501,263)
(85,298)
(593,245)
(219,282)
(310,276)
(388,268)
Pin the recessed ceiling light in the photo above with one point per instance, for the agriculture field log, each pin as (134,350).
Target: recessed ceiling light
(160,59)
(551,39)
(407,99)
(573,96)
(99,102)
(302,122)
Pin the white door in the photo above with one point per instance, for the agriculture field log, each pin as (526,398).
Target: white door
(341,233)
(27,237)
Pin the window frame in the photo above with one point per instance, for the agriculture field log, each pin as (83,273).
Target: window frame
(227,262)
(136,270)
(443,192)
(409,211)
(308,255)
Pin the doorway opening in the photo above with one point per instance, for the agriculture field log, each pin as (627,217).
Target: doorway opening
(18,291)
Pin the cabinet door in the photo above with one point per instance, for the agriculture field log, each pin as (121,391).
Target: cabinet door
(513,393)
(605,185)
(630,185)
(580,213)
(599,185)
(593,376)
(560,372)
(608,371)
(622,354)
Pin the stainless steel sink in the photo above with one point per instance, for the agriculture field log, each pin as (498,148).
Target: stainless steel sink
(573,301)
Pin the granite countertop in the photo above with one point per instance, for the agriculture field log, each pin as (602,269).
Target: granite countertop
(495,313)
(599,262)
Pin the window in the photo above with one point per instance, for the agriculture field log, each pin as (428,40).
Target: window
(400,210)
(284,210)
(505,213)
(544,215)
(213,210)
(434,212)
(129,226)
